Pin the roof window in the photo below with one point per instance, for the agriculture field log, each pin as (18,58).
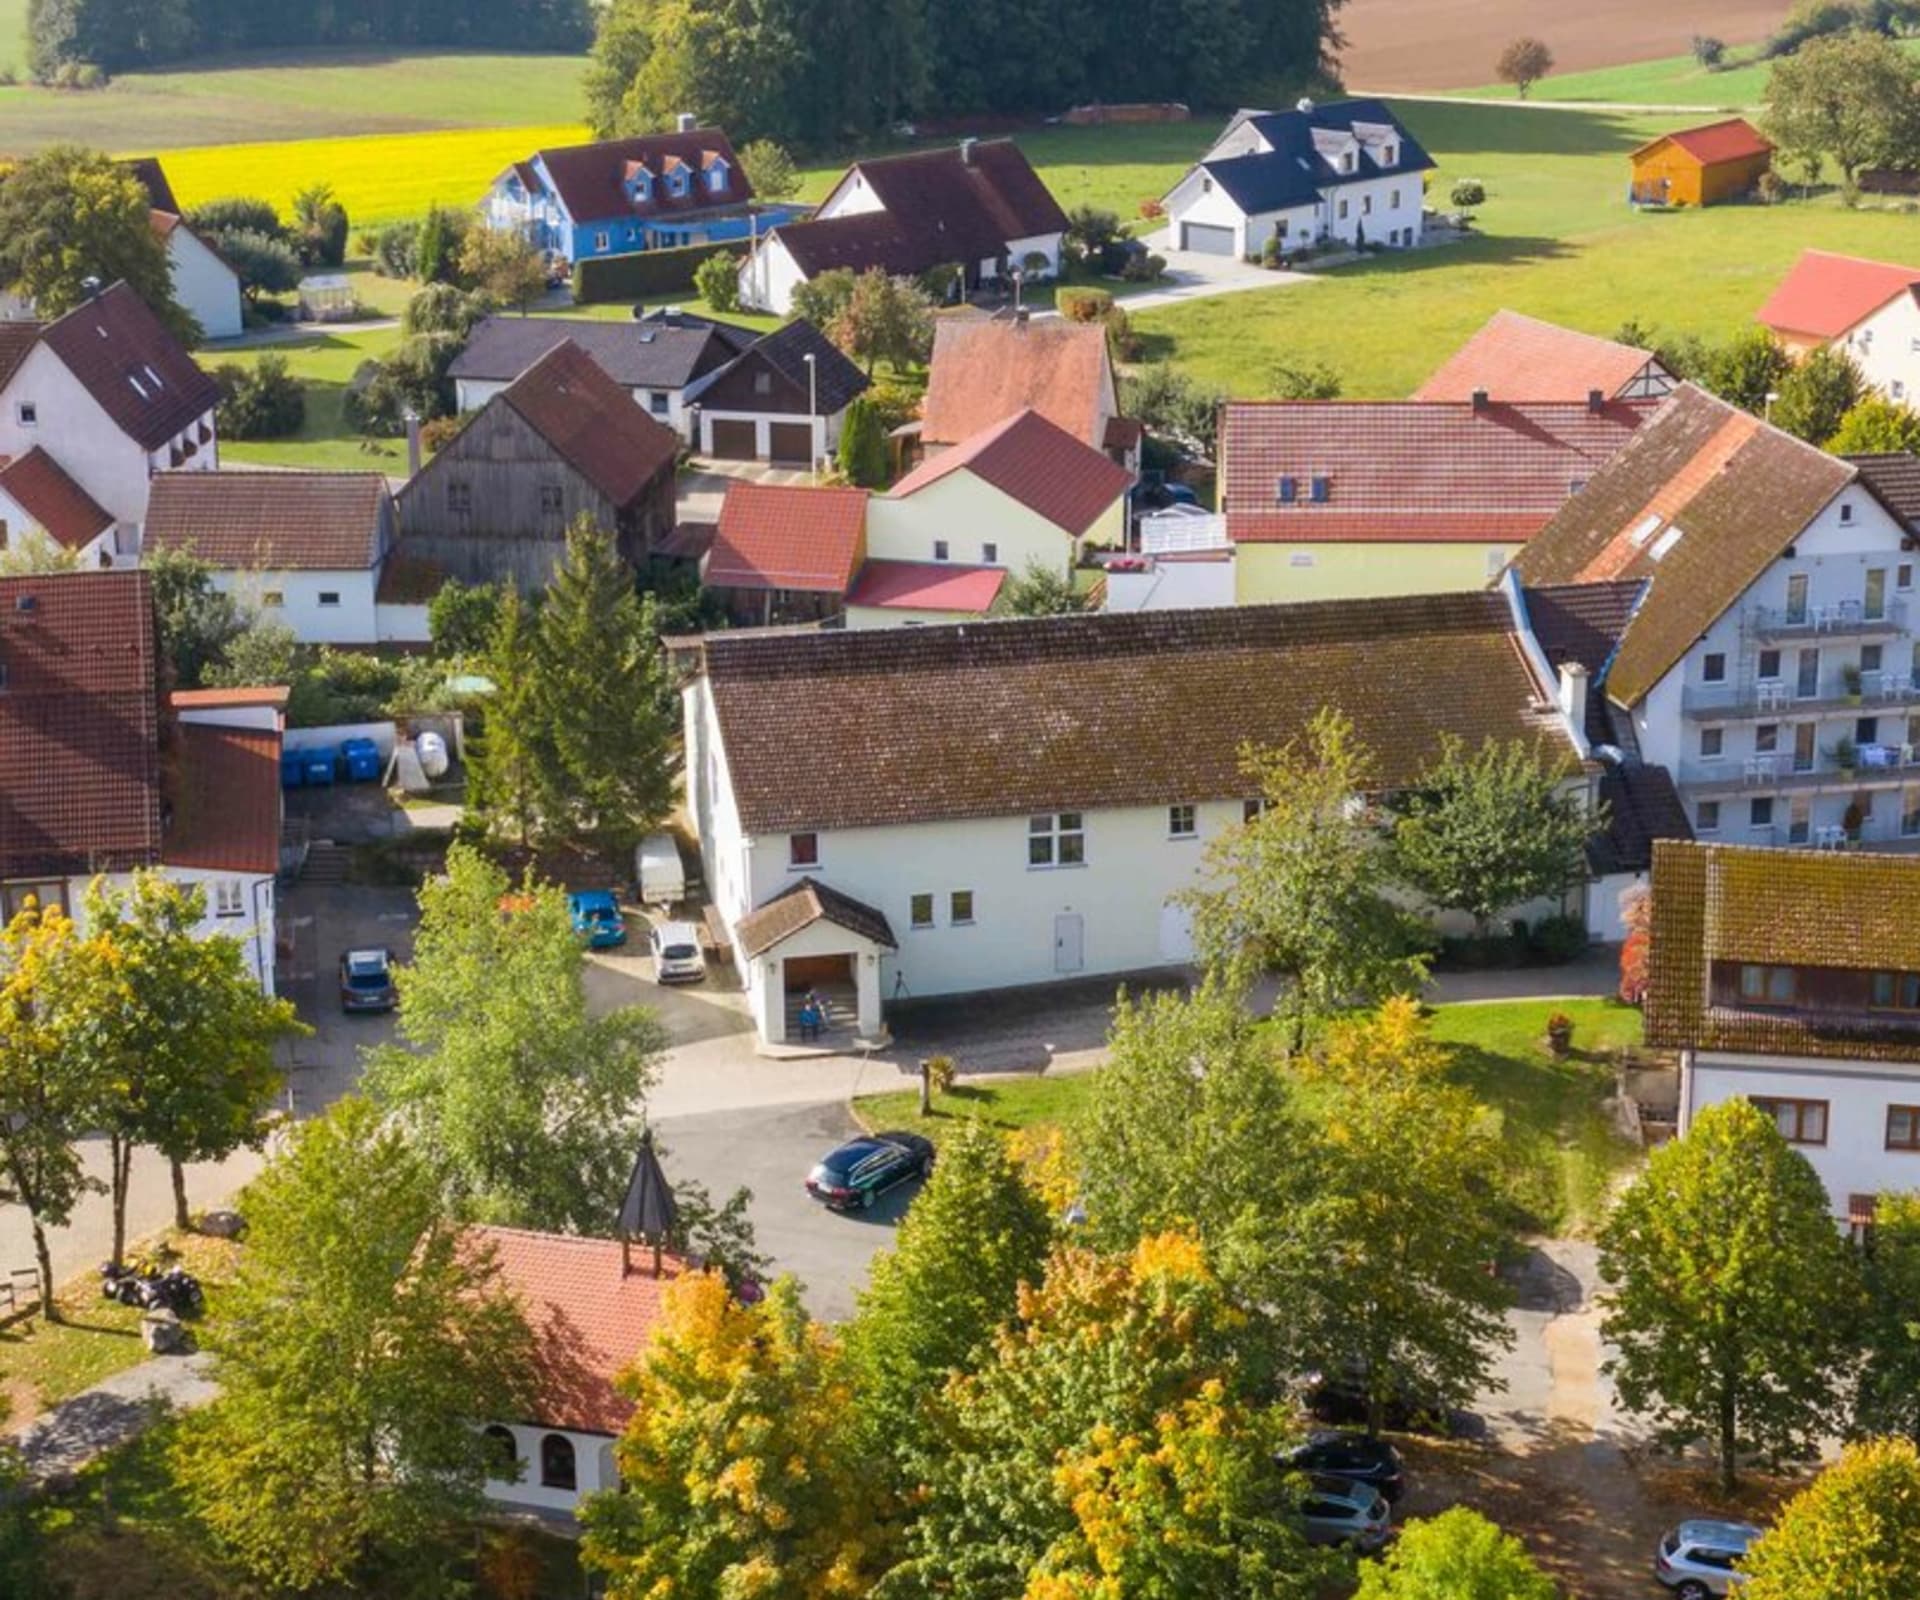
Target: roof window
(1647,527)
(132,379)
(1286,491)
(1322,489)
(1664,543)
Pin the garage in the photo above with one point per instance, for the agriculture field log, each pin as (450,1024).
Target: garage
(732,439)
(791,443)
(1209,239)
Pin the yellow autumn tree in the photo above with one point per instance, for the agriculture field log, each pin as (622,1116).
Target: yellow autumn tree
(1394,1042)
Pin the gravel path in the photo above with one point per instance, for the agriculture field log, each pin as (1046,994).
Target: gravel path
(69,1436)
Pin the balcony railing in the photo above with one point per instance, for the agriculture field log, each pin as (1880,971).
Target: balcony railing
(1875,766)
(1777,697)
(1845,619)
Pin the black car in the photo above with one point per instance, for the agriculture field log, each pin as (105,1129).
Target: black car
(1341,1398)
(366,980)
(1352,1456)
(863,1169)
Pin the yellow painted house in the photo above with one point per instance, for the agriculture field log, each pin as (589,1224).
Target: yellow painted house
(1329,499)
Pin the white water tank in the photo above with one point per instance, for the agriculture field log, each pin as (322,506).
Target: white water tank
(432,750)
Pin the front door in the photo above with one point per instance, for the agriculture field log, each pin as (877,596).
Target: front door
(1069,953)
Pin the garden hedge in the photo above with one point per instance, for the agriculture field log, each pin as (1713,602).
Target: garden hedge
(645,272)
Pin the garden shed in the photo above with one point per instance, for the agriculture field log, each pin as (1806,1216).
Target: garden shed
(1700,166)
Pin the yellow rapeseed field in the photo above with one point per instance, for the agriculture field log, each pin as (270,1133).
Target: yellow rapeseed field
(378,177)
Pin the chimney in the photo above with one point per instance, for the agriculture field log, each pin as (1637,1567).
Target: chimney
(413,443)
(1304,106)
(1573,692)
(1481,401)
(1596,401)
(966,151)
(686,122)
(91,286)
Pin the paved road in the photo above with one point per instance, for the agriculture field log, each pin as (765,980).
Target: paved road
(117,1408)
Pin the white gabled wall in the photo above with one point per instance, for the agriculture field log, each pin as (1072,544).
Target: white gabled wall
(768,277)
(205,286)
(967,514)
(1886,348)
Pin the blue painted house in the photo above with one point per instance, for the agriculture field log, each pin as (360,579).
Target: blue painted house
(619,196)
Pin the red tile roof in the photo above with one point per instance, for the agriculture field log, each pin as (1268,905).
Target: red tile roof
(927,586)
(788,536)
(226,805)
(64,511)
(1825,294)
(79,724)
(587,177)
(1035,462)
(1734,139)
(590,1319)
(1514,357)
(1413,471)
(273,521)
(592,423)
(137,372)
(985,369)
(408,580)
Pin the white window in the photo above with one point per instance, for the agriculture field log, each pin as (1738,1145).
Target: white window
(1181,823)
(600,241)
(1393,199)
(1903,576)
(920,910)
(717,180)
(1898,389)
(1252,810)
(27,412)
(989,555)
(1366,205)
(803,849)
(1496,561)
(329,597)
(1343,211)
(1706,817)
(1713,667)
(1058,839)
(1713,742)
(1846,511)
(1300,558)
(1760,812)
(939,549)
(960,908)
(227,899)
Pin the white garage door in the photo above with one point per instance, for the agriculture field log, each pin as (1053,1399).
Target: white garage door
(1208,238)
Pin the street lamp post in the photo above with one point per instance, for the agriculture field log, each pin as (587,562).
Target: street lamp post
(813,418)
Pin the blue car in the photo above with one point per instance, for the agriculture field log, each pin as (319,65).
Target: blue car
(597,919)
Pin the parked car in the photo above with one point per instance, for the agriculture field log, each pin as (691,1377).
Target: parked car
(1352,1456)
(596,918)
(1339,1511)
(676,953)
(1695,1560)
(366,980)
(1156,491)
(863,1169)
(1341,1397)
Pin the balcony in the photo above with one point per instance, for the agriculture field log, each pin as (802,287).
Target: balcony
(1846,620)
(1890,690)
(1877,766)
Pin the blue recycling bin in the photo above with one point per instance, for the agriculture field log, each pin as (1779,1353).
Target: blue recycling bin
(317,764)
(360,760)
(293,768)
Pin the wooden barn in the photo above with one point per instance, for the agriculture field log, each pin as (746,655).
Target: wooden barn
(1700,166)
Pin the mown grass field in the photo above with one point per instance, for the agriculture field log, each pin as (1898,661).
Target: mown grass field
(1740,85)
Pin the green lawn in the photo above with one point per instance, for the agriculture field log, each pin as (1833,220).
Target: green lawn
(325,363)
(1564,1152)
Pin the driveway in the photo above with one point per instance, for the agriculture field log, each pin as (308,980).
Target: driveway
(1194,275)
(703,485)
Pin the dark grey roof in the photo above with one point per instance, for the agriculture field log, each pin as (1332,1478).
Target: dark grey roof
(838,380)
(650,353)
(1293,173)
(649,1210)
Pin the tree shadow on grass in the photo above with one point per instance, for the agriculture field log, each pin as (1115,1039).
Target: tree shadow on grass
(1445,128)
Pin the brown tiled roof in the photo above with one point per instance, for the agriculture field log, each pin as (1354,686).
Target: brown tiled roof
(1515,357)
(226,805)
(408,580)
(16,339)
(64,511)
(984,370)
(1896,480)
(275,521)
(79,724)
(592,423)
(801,905)
(1031,460)
(1738,492)
(1410,471)
(981,719)
(1800,908)
(1824,294)
(588,177)
(275,695)
(787,536)
(859,242)
(589,1318)
(1582,622)
(140,375)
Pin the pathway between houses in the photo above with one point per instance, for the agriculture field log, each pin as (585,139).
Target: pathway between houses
(113,1411)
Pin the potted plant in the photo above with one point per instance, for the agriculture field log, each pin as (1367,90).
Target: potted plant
(1559,1034)
(1846,755)
(1850,675)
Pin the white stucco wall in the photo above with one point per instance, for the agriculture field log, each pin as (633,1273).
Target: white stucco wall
(1197,198)
(1172,585)
(470,394)
(851,196)
(73,428)
(401,624)
(593,1466)
(1886,348)
(826,430)
(1045,244)
(855,618)
(768,277)
(349,620)
(205,286)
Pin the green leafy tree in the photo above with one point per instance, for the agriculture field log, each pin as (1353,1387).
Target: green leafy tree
(1746,370)
(1850,98)
(1817,394)
(503,267)
(528,1107)
(603,702)
(886,319)
(1852,1534)
(264,265)
(1877,426)
(360,1339)
(770,170)
(863,446)
(462,617)
(1171,406)
(1735,1299)
(260,401)
(52,1086)
(24,1567)
(1887,1395)
(32,552)
(443,308)
(437,244)
(183,1031)
(510,765)
(237,213)
(263,653)
(974,1235)
(1485,831)
(70,215)
(622,41)
(1113,1445)
(736,1478)
(1040,591)
(1301,889)
(320,226)
(1523,63)
(824,297)
(1458,1555)
(1316,380)
(195,620)
(717,281)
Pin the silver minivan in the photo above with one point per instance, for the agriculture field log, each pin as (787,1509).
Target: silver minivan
(676,953)
(1696,1559)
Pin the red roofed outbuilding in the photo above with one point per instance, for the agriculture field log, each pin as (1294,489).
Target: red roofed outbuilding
(1700,166)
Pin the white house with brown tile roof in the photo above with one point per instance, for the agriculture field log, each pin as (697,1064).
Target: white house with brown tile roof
(38,501)
(991,804)
(204,285)
(307,546)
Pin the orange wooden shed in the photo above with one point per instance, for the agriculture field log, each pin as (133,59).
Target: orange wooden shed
(1699,166)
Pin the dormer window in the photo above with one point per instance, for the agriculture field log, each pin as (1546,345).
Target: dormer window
(1389,154)
(677,181)
(717,178)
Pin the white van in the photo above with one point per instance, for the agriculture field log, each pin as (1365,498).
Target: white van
(663,880)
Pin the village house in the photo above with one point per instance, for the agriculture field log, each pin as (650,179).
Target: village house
(1348,173)
(307,548)
(783,399)
(1335,499)
(204,285)
(561,442)
(617,196)
(1702,166)
(1791,979)
(1870,309)
(1080,766)
(102,773)
(113,397)
(1520,359)
(978,207)
(39,502)
(1769,665)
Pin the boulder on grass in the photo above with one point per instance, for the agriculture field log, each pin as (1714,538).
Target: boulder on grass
(161,1332)
(223,1225)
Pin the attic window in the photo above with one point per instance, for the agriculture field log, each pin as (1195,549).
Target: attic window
(1322,490)
(153,377)
(26,604)
(1287,491)
(1645,530)
(717,180)
(1664,543)
(1574,486)
(136,386)
(1206,184)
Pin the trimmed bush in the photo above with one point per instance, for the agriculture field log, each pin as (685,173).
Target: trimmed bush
(1083,305)
(645,272)
(1469,192)
(263,401)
